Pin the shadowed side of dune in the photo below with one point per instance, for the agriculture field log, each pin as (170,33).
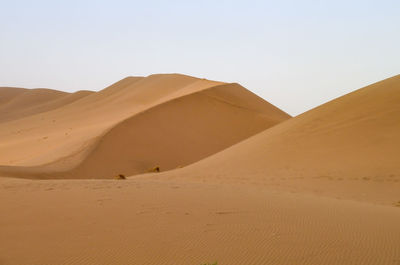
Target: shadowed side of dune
(180,132)
(173,134)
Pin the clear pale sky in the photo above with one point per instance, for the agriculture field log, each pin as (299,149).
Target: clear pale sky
(295,54)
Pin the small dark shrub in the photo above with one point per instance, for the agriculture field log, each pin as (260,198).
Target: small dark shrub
(120,176)
(155,169)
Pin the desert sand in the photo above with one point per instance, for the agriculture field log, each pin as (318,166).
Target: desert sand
(256,186)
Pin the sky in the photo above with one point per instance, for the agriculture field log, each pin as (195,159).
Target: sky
(295,54)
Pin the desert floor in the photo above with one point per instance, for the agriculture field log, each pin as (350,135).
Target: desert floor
(156,220)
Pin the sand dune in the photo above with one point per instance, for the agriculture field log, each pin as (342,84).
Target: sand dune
(133,126)
(349,147)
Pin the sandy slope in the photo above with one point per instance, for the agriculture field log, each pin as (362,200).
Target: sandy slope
(349,147)
(133,126)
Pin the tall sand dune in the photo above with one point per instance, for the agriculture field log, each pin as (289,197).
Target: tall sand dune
(350,145)
(133,126)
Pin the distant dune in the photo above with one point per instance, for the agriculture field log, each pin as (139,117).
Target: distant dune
(135,125)
(16,103)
